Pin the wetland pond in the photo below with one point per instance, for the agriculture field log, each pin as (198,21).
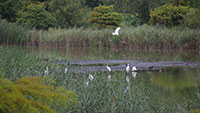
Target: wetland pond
(167,81)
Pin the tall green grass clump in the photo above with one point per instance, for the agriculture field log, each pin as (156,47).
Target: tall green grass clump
(12,34)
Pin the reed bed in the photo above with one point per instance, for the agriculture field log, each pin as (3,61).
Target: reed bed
(143,37)
(101,94)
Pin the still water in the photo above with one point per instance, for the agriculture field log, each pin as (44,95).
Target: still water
(174,87)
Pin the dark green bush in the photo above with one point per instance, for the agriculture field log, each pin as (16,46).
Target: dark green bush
(168,15)
(105,17)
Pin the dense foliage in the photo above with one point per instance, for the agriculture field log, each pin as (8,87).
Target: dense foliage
(169,15)
(68,13)
(35,16)
(105,17)
(29,94)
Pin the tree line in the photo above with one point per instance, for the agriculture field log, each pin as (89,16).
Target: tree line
(44,14)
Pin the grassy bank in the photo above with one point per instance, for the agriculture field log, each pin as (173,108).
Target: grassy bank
(145,36)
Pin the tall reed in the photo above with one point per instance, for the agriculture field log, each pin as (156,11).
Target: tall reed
(155,37)
(12,34)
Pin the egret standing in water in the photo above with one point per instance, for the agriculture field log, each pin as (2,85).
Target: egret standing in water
(127,68)
(116,31)
(109,68)
(91,77)
(134,69)
(46,72)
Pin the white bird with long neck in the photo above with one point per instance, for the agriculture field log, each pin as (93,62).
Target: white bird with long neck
(116,31)
(109,68)
(134,69)
(127,68)
(91,77)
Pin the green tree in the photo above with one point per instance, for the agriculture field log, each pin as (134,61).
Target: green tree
(192,18)
(93,3)
(168,15)
(190,3)
(69,13)
(105,17)
(139,8)
(9,9)
(35,16)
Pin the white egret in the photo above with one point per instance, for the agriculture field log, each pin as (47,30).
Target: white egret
(134,69)
(127,68)
(109,68)
(116,31)
(91,77)
(46,72)
(134,74)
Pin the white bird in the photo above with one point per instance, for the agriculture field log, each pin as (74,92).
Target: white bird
(91,77)
(66,70)
(134,74)
(134,69)
(116,31)
(46,72)
(127,68)
(109,68)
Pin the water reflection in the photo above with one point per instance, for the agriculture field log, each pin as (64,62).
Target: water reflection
(116,54)
(176,78)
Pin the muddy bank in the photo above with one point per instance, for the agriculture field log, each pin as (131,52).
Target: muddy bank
(84,66)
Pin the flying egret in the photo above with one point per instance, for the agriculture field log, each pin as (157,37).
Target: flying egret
(127,68)
(109,68)
(46,72)
(134,69)
(116,31)
(91,77)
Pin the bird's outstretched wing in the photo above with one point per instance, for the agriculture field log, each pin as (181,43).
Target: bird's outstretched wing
(117,30)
